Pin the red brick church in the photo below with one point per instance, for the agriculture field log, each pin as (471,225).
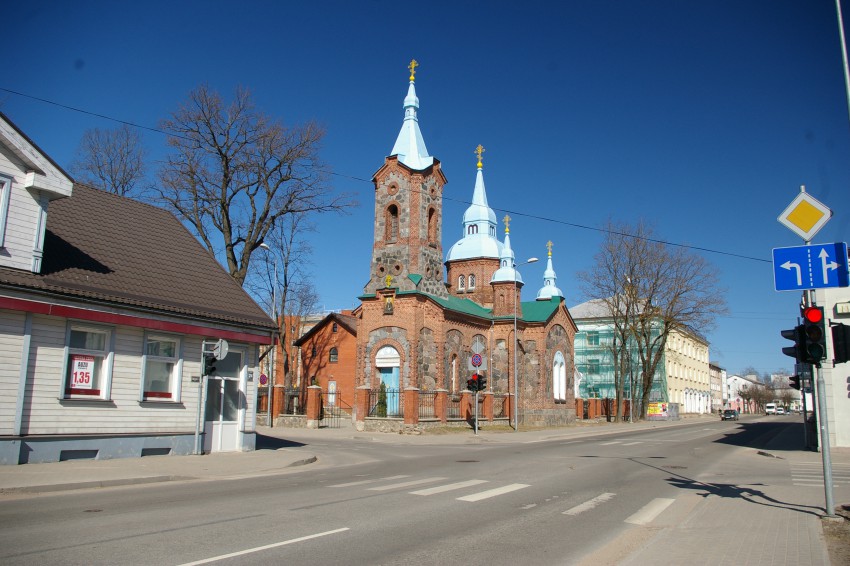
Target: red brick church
(423,317)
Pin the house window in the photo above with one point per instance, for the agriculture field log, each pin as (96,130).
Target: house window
(461,283)
(593,366)
(161,369)
(88,362)
(592,338)
(335,327)
(5,189)
(471,281)
(333,356)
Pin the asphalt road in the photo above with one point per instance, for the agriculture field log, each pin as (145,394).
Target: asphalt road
(550,502)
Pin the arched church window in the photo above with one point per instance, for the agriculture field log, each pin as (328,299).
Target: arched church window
(391,223)
(559,378)
(333,357)
(472,229)
(471,281)
(432,225)
(493,231)
(461,283)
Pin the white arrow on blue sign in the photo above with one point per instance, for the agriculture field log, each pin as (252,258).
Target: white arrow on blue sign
(810,267)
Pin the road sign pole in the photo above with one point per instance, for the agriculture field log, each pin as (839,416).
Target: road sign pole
(824,444)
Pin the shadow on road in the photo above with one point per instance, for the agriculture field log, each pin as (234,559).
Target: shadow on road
(776,437)
(273,443)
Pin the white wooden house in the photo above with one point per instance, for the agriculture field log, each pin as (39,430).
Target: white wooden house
(107,306)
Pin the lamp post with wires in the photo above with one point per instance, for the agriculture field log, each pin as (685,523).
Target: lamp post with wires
(516,342)
(273,371)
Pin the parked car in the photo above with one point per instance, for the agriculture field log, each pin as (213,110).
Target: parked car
(729,415)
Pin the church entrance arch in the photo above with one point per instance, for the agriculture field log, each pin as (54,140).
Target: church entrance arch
(388,362)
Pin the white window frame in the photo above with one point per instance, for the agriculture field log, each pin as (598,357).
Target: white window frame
(461,283)
(471,282)
(5,195)
(107,356)
(559,378)
(175,381)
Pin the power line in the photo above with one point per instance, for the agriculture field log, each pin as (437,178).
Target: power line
(461,201)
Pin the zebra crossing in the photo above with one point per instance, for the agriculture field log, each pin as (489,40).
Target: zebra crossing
(408,482)
(810,474)
(477,490)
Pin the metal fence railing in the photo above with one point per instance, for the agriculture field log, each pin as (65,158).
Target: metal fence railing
(499,404)
(293,403)
(426,404)
(391,405)
(453,406)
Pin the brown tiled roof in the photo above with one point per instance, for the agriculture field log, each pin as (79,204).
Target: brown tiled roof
(346,321)
(111,249)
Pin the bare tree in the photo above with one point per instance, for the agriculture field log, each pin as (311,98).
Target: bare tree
(112,160)
(285,277)
(653,290)
(235,172)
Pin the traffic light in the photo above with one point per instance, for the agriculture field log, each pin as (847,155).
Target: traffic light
(475,386)
(209,364)
(815,335)
(482,382)
(794,382)
(840,343)
(795,334)
(470,384)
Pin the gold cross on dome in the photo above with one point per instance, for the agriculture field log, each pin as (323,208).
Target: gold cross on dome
(478,151)
(549,247)
(507,220)
(412,67)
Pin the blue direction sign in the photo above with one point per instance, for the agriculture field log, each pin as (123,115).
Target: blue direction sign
(810,267)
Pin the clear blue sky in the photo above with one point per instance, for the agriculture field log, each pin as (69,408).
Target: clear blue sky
(700,117)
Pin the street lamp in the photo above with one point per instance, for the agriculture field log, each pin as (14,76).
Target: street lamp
(277,323)
(516,373)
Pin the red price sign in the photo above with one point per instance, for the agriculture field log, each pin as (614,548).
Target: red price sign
(82,370)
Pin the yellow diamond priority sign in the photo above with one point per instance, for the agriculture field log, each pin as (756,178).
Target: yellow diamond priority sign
(805,216)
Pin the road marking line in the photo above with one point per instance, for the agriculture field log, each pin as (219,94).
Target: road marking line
(362,482)
(265,547)
(607,443)
(650,511)
(590,504)
(493,492)
(632,443)
(404,484)
(447,487)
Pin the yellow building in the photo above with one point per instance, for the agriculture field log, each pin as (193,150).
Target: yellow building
(688,380)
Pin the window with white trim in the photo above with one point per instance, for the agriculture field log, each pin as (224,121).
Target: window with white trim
(471,281)
(5,190)
(161,367)
(88,362)
(461,283)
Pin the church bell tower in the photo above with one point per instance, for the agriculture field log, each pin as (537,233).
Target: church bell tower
(407,250)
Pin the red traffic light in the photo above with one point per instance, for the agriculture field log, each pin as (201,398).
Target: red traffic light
(813,315)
